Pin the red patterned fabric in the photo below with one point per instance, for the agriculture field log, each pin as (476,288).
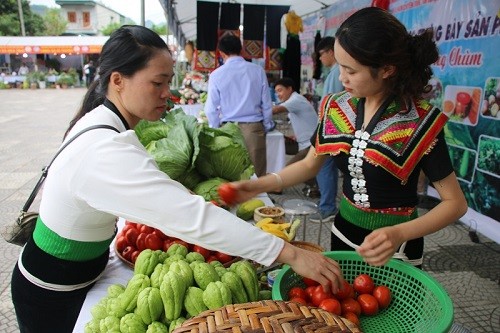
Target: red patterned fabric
(273,59)
(397,143)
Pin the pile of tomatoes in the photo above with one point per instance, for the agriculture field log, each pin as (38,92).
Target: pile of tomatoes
(135,237)
(362,297)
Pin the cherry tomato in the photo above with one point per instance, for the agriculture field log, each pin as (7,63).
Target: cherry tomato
(141,241)
(134,255)
(363,284)
(297,292)
(127,252)
(310,291)
(352,317)
(331,305)
(132,235)
(309,282)
(299,300)
(121,243)
(160,234)
(153,242)
(368,303)
(127,222)
(146,229)
(201,250)
(227,193)
(166,244)
(345,292)
(223,258)
(350,305)
(319,295)
(383,296)
(127,227)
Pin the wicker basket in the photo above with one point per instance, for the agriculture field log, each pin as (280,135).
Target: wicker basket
(267,316)
(308,246)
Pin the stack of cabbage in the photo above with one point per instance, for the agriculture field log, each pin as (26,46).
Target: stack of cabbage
(194,154)
(169,287)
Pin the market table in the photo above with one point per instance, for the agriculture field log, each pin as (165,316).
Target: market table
(116,272)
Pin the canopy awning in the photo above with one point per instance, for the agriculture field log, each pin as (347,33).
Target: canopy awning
(52,44)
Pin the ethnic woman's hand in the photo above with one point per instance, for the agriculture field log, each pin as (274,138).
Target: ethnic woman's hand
(380,245)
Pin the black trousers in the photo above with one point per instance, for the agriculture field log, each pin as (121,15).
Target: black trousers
(40,310)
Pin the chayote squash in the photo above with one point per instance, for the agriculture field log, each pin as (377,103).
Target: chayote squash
(248,274)
(216,295)
(193,302)
(175,324)
(221,270)
(183,269)
(172,291)
(205,273)
(92,326)
(114,307)
(115,289)
(149,305)
(265,295)
(162,255)
(128,298)
(194,256)
(132,323)
(99,310)
(216,263)
(172,258)
(233,281)
(177,249)
(110,324)
(146,262)
(157,327)
(158,274)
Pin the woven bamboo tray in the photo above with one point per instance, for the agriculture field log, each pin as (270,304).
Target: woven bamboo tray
(267,316)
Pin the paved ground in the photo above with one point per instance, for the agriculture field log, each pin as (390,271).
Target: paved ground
(32,124)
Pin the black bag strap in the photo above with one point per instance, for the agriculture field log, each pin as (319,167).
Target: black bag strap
(46,169)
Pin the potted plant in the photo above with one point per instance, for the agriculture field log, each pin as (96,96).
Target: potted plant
(42,83)
(65,80)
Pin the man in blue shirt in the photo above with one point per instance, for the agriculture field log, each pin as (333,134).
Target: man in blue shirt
(327,177)
(238,91)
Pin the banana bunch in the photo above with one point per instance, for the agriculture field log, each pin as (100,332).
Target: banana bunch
(285,231)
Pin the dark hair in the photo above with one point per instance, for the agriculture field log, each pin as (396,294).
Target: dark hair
(230,44)
(285,82)
(127,51)
(376,38)
(326,44)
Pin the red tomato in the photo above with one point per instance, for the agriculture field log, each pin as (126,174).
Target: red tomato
(126,228)
(331,305)
(310,291)
(134,224)
(227,193)
(297,292)
(153,242)
(141,241)
(160,234)
(352,317)
(121,243)
(319,295)
(309,282)
(345,292)
(146,229)
(368,303)
(166,244)
(127,252)
(299,300)
(201,250)
(132,235)
(223,258)
(383,296)
(363,284)
(134,255)
(350,305)
(212,258)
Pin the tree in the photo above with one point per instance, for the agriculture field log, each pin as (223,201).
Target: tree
(160,29)
(108,30)
(55,24)
(10,24)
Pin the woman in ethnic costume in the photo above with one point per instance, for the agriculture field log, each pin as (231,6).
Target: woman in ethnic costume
(381,134)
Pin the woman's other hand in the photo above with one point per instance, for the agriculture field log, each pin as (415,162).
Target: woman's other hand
(380,245)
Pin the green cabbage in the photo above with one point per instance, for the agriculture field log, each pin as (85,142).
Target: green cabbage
(148,131)
(223,153)
(208,188)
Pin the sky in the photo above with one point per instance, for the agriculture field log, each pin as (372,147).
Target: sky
(129,8)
